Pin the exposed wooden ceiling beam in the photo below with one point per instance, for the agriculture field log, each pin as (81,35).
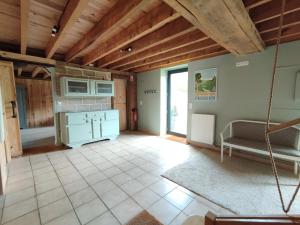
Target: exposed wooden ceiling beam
(171,30)
(24,19)
(181,41)
(272,10)
(26,58)
(153,20)
(208,43)
(65,64)
(250,4)
(231,27)
(290,19)
(36,71)
(202,54)
(109,22)
(72,12)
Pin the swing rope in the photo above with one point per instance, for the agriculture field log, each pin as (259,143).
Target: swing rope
(267,130)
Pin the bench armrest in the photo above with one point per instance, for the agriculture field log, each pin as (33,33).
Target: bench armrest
(226,128)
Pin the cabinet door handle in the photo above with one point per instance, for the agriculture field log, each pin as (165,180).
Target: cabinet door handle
(13,106)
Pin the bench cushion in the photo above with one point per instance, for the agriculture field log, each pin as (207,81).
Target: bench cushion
(280,149)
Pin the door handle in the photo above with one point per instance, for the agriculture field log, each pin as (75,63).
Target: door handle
(13,106)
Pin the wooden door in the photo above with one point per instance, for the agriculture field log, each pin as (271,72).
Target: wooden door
(3,158)
(11,117)
(120,101)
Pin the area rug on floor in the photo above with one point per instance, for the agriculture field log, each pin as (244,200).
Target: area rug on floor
(245,187)
(144,218)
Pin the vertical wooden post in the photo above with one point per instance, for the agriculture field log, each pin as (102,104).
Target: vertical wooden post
(132,102)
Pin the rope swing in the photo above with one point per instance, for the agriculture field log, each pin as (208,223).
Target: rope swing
(282,126)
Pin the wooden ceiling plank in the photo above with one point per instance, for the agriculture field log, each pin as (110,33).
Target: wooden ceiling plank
(26,58)
(286,32)
(250,4)
(24,19)
(168,32)
(183,40)
(202,54)
(72,12)
(231,27)
(110,21)
(153,20)
(272,10)
(290,19)
(208,43)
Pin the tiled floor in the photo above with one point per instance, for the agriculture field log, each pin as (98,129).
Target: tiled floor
(104,183)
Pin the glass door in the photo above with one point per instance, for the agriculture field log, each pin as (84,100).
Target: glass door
(177,102)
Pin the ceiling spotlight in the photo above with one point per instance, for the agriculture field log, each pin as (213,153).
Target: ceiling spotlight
(128,49)
(54,30)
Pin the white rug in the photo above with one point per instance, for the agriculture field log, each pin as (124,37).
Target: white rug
(245,187)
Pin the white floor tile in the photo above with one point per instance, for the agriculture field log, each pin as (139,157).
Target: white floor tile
(67,219)
(131,187)
(55,209)
(50,196)
(75,187)
(82,197)
(19,209)
(164,211)
(121,178)
(179,199)
(104,186)
(146,198)
(28,219)
(105,219)
(162,188)
(19,196)
(90,211)
(126,210)
(114,197)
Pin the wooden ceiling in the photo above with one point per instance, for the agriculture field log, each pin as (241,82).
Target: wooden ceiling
(101,32)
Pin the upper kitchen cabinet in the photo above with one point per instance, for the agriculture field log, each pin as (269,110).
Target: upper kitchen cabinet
(104,87)
(76,87)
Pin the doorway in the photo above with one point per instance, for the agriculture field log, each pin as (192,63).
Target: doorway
(177,102)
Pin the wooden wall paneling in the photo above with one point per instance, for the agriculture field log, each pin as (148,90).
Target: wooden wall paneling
(39,109)
(24,8)
(119,101)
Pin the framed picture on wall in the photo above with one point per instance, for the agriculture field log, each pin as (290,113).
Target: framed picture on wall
(205,84)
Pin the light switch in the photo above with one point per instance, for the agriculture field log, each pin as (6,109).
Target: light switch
(141,102)
(190,106)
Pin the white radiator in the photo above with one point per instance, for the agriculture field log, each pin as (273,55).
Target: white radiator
(203,128)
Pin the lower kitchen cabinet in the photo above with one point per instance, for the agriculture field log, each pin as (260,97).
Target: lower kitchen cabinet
(79,128)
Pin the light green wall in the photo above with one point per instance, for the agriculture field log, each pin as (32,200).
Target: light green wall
(149,104)
(242,91)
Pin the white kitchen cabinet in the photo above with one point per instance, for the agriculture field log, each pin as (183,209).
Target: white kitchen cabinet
(78,128)
(74,87)
(77,87)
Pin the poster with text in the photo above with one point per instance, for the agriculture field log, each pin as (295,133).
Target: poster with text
(206,84)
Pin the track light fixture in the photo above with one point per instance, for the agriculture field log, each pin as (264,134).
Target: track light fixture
(54,30)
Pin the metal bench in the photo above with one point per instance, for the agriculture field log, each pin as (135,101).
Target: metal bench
(248,135)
